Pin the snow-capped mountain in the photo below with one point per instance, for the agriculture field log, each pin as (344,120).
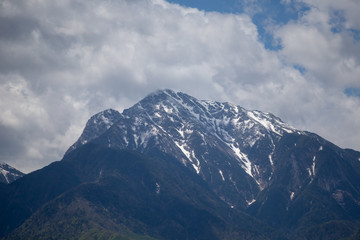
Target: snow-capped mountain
(9,174)
(228,146)
(173,167)
(241,154)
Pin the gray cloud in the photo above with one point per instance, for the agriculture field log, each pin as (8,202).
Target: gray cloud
(62,61)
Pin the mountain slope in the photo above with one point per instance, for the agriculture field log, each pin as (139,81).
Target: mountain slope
(126,193)
(9,174)
(314,183)
(20,199)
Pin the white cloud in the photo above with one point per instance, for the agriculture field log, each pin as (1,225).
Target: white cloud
(331,57)
(62,61)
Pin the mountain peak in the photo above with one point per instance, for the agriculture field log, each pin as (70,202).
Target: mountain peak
(201,134)
(162,95)
(96,126)
(8,174)
(170,101)
(161,92)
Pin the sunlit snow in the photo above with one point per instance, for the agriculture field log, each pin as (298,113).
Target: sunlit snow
(250,202)
(267,124)
(244,159)
(292,194)
(189,157)
(157,185)
(313,166)
(5,173)
(222,175)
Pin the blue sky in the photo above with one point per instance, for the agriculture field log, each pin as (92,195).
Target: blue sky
(227,6)
(63,61)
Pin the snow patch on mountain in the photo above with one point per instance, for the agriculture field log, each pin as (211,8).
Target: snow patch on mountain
(5,174)
(313,166)
(157,188)
(246,164)
(190,156)
(292,194)
(222,175)
(251,202)
(270,123)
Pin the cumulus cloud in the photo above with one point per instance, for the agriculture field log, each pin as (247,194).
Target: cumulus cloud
(62,61)
(323,42)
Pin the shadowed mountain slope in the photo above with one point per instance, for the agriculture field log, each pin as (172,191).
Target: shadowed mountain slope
(123,193)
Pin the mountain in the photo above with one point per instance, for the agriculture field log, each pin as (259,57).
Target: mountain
(9,174)
(175,167)
(252,160)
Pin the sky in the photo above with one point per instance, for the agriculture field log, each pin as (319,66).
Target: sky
(61,61)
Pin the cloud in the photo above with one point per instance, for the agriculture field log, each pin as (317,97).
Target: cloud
(325,48)
(62,61)
(322,41)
